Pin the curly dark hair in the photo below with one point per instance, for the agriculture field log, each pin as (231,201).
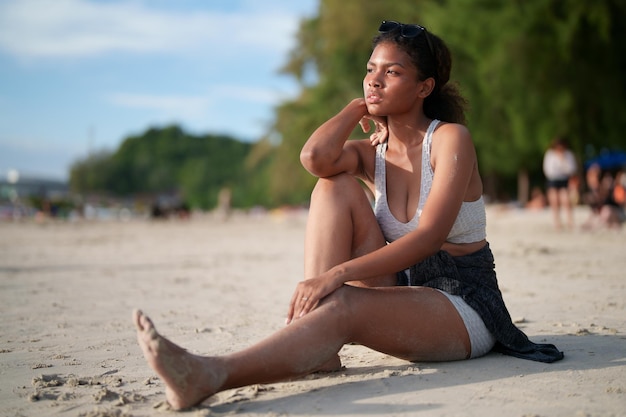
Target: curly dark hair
(445,102)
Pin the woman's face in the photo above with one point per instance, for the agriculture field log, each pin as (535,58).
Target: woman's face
(391,85)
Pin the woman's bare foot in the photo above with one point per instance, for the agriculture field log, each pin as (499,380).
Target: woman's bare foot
(189,379)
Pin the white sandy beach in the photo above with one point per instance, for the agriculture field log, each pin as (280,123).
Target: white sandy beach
(68,347)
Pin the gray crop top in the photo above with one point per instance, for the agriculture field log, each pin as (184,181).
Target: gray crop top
(470,224)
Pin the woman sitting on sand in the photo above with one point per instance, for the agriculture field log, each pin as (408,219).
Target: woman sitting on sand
(414,278)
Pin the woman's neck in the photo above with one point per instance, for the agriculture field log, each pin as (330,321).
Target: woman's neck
(408,133)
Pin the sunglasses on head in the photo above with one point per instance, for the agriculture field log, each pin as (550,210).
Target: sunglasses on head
(406,31)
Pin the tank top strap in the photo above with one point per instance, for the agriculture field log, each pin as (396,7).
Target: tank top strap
(428,141)
(380,176)
(427,171)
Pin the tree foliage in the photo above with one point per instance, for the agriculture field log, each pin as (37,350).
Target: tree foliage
(168,161)
(534,70)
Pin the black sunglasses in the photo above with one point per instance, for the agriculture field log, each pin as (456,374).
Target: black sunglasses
(406,31)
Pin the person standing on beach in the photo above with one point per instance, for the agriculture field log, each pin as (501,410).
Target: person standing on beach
(414,278)
(559,166)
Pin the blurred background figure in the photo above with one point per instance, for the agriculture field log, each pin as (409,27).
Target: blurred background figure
(605,196)
(224,208)
(619,190)
(559,165)
(537,199)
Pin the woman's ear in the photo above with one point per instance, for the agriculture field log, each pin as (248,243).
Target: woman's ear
(426,87)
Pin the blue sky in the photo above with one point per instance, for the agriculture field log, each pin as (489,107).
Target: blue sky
(78,76)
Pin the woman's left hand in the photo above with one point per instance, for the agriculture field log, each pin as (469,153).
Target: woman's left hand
(308,294)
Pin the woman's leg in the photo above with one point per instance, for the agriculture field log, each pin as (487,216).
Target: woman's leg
(565,201)
(553,201)
(341,225)
(411,323)
(610,217)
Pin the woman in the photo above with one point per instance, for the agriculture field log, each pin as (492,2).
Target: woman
(414,278)
(559,167)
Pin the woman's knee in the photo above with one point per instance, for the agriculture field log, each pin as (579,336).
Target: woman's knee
(340,302)
(341,185)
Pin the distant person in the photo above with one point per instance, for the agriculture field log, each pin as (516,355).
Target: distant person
(224,208)
(618,195)
(574,190)
(537,200)
(157,212)
(559,165)
(619,189)
(414,278)
(605,198)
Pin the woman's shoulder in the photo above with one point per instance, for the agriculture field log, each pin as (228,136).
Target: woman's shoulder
(451,133)
(451,129)
(452,139)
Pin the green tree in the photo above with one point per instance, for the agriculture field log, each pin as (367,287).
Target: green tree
(90,174)
(167,161)
(533,70)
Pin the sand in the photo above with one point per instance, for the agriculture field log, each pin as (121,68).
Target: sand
(68,347)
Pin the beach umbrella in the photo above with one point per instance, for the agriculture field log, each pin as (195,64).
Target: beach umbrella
(608,160)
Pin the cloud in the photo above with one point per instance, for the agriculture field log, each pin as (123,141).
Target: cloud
(80,28)
(189,104)
(249,94)
(189,107)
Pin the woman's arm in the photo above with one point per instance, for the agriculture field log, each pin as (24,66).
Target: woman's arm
(327,151)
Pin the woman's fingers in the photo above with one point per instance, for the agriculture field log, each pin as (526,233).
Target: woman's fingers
(307,305)
(365,124)
(305,298)
(294,307)
(380,129)
(299,306)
